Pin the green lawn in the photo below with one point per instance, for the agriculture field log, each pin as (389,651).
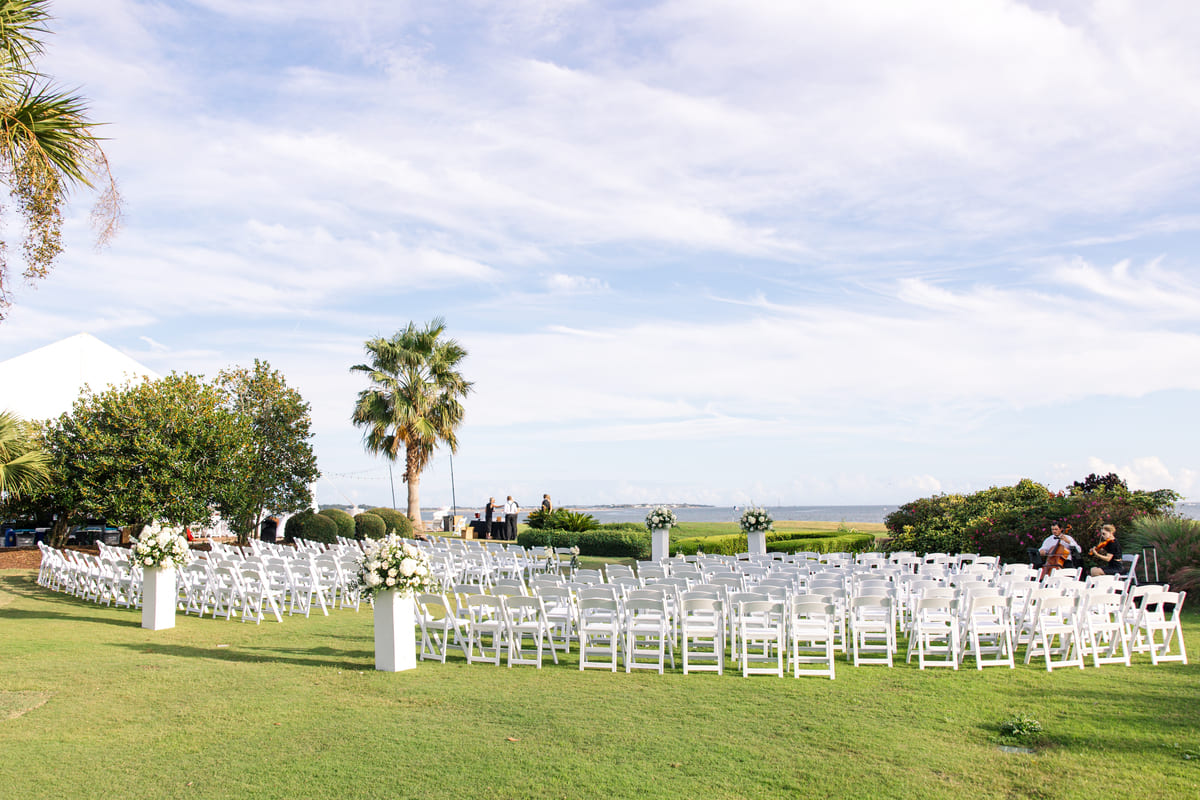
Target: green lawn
(93,706)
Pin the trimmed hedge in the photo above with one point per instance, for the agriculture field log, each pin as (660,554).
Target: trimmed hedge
(778,542)
(313,527)
(600,542)
(369,526)
(623,526)
(344,521)
(727,545)
(393,520)
(841,543)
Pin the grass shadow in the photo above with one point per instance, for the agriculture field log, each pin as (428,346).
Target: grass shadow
(21,614)
(259,655)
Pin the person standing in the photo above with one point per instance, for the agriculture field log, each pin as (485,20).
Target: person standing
(546,504)
(511,510)
(488,512)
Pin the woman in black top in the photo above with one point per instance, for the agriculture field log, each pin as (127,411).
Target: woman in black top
(1108,551)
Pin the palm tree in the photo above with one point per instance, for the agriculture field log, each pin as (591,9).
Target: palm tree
(47,145)
(24,468)
(413,401)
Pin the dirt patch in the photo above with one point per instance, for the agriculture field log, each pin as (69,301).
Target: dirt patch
(14,704)
(20,558)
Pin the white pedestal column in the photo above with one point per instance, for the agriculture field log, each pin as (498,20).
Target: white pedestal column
(756,542)
(660,543)
(395,637)
(158,598)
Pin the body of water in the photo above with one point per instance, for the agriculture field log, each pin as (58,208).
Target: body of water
(847,514)
(734,513)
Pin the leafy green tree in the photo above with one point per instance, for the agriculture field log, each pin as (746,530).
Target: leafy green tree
(274,466)
(24,466)
(413,402)
(156,450)
(48,146)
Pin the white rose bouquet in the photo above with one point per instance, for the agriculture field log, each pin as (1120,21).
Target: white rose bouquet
(160,546)
(395,563)
(660,517)
(756,519)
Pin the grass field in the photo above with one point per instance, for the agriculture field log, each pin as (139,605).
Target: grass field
(91,705)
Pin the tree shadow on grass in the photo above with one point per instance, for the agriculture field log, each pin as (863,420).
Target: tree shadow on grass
(302,657)
(23,614)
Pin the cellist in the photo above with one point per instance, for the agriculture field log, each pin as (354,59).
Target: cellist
(1058,548)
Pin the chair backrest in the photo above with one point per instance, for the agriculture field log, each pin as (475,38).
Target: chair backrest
(690,603)
(612,571)
(807,607)
(604,591)
(484,606)
(524,608)
(654,593)
(596,606)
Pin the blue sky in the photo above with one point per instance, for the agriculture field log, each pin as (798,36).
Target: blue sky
(698,251)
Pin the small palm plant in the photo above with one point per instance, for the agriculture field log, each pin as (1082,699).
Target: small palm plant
(24,467)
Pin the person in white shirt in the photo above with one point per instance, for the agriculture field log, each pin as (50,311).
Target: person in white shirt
(1057,537)
(511,510)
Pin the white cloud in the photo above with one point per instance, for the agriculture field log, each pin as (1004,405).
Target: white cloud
(1149,473)
(560,283)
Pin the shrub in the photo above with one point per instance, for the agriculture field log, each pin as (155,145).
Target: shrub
(622,526)
(1007,520)
(344,521)
(612,543)
(1020,725)
(1177,542)
(541,519)
(726,545)
(369,526)
(314,527)
(393,520)
(623,544)
(562,519)
(575,520)
(837,543)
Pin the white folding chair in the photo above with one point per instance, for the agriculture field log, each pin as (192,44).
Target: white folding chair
(702,632)
(526,618)
(761,629)
(440,629)
(648,637)
(934,631)
(811,632)
(599,632)
(1056,631)
(1158,626)
(486,628)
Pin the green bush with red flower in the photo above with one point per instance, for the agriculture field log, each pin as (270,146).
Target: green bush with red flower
(1007,520)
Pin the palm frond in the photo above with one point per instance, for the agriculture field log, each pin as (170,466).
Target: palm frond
(22,28)
(50,127)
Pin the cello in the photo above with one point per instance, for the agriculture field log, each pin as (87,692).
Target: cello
(1061,553)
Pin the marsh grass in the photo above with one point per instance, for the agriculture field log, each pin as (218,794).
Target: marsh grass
(216,709)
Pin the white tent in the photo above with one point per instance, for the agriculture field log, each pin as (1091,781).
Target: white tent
(43,383)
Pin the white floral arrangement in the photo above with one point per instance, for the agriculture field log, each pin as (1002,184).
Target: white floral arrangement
(160,546)
(395,563)
(661,517)
(574,557)
(756,520)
